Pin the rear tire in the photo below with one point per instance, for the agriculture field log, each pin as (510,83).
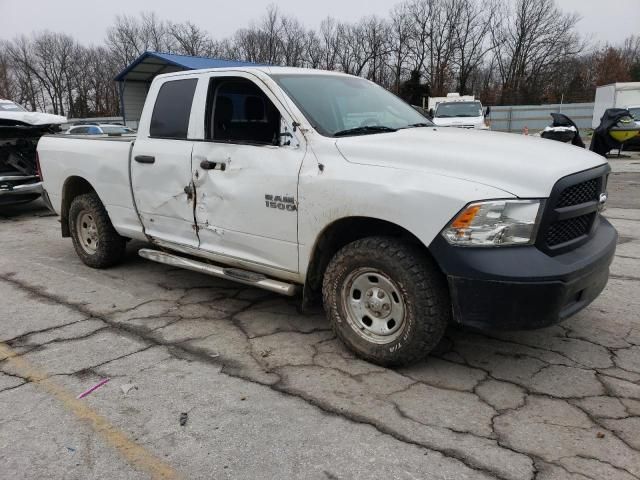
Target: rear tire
(386,300)
(95,240)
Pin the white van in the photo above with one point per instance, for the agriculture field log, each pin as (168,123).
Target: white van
(458,111)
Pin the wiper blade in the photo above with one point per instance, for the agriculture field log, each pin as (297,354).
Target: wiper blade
(420,124)
(364,130)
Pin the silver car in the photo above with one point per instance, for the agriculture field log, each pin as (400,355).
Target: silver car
(100,129)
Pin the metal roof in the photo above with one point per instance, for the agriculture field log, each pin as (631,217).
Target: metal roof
(150,64)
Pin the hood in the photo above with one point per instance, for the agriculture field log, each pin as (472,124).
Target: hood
(31,118)
(526,167)
(458,121)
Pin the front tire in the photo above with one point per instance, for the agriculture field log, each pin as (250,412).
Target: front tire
(386,300)
(95,240)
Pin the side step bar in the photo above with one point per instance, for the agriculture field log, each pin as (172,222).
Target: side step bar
(235,274)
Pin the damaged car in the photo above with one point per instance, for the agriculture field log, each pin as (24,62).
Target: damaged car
(20,131)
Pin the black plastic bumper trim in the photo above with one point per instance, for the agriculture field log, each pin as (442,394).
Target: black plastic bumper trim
(522,287)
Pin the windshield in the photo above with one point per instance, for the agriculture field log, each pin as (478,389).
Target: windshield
(112,130)
(340,105)
(459,109)
(635,113)
(11,107)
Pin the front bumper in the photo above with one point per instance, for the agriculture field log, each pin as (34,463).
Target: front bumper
(517,288)
(10,192)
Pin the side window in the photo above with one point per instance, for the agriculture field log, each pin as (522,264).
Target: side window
(94,131)
(170,118)
(80,131)
(239,112)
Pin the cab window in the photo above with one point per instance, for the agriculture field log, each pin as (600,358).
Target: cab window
(171,112)
(240,112)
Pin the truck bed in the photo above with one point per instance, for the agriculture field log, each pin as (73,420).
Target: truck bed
(101,161)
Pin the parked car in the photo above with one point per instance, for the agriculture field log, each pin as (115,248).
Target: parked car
(100,129)
(292,179)
(20,131)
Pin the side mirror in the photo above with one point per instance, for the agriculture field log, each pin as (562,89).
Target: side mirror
(487,111)
(431,112)
(279,141)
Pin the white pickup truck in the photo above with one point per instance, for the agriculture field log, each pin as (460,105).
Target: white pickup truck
(300,180)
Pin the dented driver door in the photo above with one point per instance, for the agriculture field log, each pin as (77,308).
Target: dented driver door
(246,205)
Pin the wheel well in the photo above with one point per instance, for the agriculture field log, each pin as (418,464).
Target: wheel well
(73,187)
(339,234)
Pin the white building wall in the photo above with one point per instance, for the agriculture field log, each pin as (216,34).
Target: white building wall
(133,99)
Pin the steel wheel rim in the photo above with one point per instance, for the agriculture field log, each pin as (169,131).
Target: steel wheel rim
(87,231)
(374,306)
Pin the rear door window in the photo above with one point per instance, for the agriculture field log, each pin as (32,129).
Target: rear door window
(170,118)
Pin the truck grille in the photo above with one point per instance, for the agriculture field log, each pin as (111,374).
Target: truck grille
(570,229)
(580,193)
(571,213)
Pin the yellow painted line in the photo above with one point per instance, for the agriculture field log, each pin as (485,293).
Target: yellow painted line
(137,456)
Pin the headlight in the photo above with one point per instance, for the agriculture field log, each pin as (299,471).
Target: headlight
(494,223)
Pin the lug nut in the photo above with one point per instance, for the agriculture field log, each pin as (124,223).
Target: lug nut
(380,294)
(369,293)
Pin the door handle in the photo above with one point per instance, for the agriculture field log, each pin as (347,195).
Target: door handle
(144,159)
(209,165)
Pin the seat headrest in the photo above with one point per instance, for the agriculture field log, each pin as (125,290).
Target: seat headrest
(224,110)
(254,109)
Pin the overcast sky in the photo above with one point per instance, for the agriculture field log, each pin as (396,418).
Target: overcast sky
(87,20)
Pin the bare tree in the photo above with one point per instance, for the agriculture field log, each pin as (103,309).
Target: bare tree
(329,40)
(269,32)
(470,37)
(400,32)
(374,35)
(445,15)
(313,51)
(293,40)
(419,12)
(190,39)
(8,82)
(23,63)
(129,37)
(530,41)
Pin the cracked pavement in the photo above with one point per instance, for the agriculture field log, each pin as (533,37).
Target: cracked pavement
(271,393)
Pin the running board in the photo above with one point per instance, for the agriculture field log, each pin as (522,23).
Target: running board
(235,274)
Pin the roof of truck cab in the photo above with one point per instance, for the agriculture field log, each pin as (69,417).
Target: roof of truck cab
(267,69)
